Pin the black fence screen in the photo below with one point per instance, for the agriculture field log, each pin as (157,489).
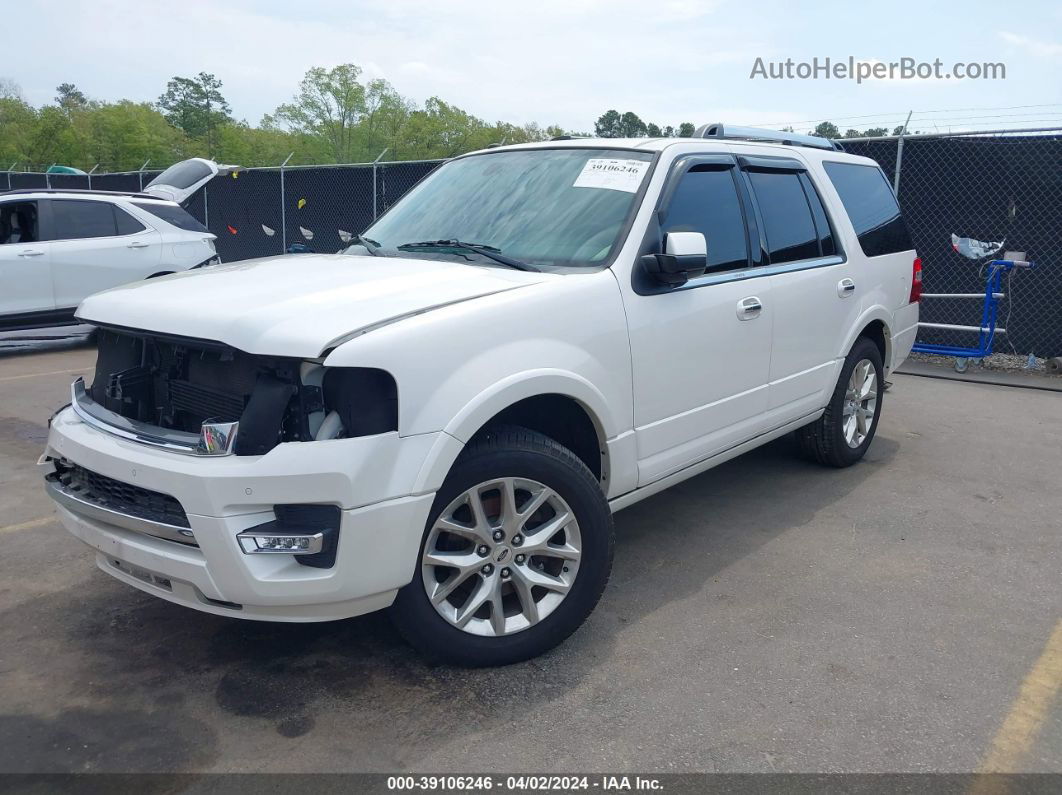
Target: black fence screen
(990,188)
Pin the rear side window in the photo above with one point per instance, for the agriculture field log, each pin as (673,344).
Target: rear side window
(127,224)
(18,222)
(172,214)
(706,201)
(871,206)
(818,212)
(77,219)
(788,223)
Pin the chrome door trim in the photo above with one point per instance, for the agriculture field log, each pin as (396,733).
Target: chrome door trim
(763,270)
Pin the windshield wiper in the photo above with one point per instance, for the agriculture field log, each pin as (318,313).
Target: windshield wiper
(369,245)
(490,252)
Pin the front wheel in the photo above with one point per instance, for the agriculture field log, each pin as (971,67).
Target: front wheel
(515,556)
(842,435)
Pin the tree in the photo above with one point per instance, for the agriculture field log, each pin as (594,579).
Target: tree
(826,129)
(876,132)
(18,123)
(608,125)
(898,130)
(330,103)
(196,106)
(686,130)
(9,89)
(852,133)
(69,97)
(631,126)
(653,131)
(668,131)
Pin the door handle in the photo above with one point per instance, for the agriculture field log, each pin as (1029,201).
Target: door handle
(749,308)
(845,288)
(138,244)
(31,253)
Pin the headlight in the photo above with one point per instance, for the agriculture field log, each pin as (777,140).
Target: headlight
(358,401)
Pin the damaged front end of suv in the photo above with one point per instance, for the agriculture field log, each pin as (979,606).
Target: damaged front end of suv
(206,398)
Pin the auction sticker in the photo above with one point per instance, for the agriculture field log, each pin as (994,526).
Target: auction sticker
(612,174)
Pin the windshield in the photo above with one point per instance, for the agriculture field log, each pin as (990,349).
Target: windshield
(545,207)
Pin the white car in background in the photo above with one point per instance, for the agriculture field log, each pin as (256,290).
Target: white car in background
(59,246)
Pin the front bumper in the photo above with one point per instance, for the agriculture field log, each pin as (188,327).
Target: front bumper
(372,480)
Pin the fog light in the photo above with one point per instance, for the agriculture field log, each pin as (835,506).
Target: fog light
(252,542)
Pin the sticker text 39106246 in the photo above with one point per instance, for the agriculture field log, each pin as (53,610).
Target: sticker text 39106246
(612,174)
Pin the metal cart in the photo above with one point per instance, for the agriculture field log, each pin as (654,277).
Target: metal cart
(988,329)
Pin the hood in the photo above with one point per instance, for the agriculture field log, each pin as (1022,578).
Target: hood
(296,305)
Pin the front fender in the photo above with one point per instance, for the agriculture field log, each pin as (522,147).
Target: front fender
(479,411)
(458,366)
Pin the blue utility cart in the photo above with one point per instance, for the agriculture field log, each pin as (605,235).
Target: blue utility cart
(988,329)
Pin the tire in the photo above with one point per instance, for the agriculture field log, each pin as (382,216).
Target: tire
(508,461)
(826,440)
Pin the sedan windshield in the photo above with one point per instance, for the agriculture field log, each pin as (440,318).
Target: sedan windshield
(543,207)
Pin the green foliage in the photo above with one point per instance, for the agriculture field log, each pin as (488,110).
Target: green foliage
(195,106)
(873,132)
(826,129)
(336,116)
(613,124)
(69,97)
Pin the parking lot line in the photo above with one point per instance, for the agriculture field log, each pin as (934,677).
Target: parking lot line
(51,372)
(14,528)
(1029,711)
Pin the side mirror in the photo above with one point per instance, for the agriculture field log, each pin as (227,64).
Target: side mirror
(685,257)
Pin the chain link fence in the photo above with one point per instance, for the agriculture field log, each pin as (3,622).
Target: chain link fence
(989,187)
(1003,187)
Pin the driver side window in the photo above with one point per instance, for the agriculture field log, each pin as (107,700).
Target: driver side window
(18,223)
(706,201)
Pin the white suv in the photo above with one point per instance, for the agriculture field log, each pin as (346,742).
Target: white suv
(442,419)
(59,246)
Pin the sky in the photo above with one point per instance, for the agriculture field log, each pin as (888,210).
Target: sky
(560,62)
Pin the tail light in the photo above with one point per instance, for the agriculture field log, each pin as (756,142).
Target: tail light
(916,281)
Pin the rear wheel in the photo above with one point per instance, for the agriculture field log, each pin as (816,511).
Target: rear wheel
(842,435)
(515,556)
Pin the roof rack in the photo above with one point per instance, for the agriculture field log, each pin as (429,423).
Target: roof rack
(732,132)
(133,194)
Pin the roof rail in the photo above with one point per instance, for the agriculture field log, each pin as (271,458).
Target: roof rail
(130,193)
(733,132)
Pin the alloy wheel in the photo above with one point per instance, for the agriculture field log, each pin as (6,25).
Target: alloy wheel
(860,403)
(501,556)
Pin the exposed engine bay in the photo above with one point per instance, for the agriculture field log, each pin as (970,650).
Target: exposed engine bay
(181,383)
